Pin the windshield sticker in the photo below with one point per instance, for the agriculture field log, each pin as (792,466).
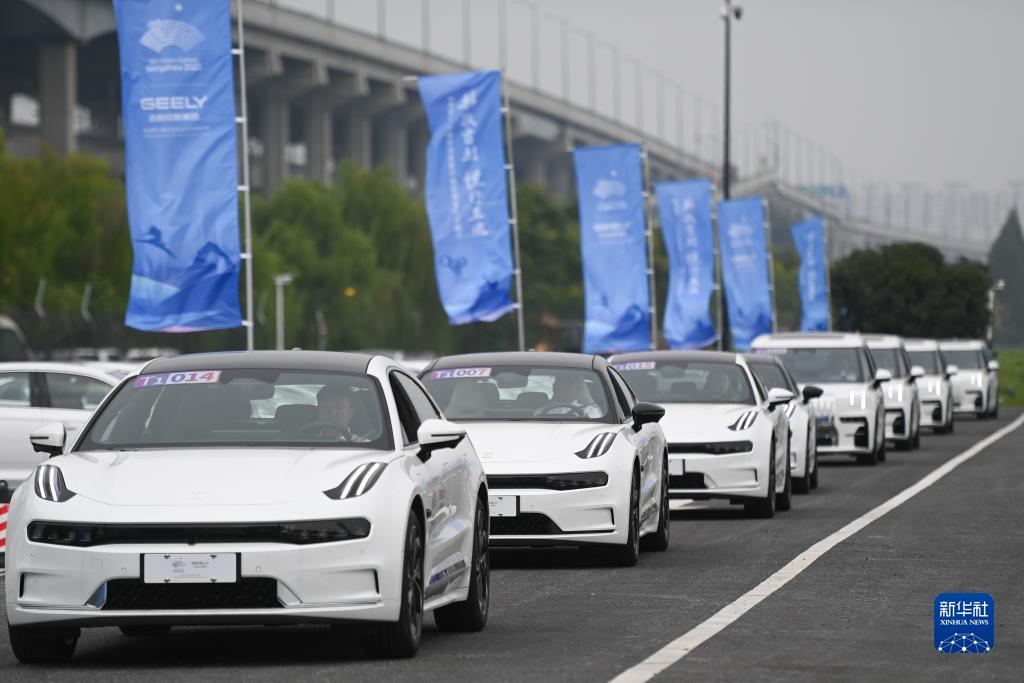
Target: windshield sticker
(460,373)
(635,365)
(771,352)
(168,378)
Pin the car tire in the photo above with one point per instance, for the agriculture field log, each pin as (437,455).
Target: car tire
(764,508)
(916,441)
(43,645)
(803,484)
(471,615)
(402,638)
(628,555)
(877,453)
(784,501)
(659,540)
(145,630)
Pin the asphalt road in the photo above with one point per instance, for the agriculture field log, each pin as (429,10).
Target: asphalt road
(862,612)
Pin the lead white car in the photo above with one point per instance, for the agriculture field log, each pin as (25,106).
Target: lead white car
(935,387)
(901,396)
(976,383)
(728,437)
(850,413)
(572,458)
(252,488)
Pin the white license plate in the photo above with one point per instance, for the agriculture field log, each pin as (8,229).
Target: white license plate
(190,568)
(676,468)
(504,506)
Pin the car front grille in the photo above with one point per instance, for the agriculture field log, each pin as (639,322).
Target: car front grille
(246,593)
(526,524)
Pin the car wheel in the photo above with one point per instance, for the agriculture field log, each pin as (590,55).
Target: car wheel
(659,540)
(402,638)
(471,615)
(145,630)
(814,472)
(43,645)
(916,442)
(784,501)
(803,484)
(765,507)
(629,554)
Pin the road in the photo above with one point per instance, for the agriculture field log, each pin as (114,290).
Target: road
(862,611)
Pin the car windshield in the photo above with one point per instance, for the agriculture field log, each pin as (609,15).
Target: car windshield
(771,376)
(965,359)
(518,392)
(687,382)
(891,360)
(242,407)
(929,360)
(826,365)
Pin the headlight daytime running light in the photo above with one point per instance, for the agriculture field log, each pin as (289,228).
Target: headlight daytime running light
(358,482)
(49,484)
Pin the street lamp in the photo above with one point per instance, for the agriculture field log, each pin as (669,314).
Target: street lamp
(280,281)
(997,286)
(729,12)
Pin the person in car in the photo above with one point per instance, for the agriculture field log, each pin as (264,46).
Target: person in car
(571,390)
(336,406)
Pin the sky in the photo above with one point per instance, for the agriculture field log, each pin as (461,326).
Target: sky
(885,91)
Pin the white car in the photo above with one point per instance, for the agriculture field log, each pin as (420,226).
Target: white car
(188,500)
(803,455)
(850,413)
(572,458)
(901,396)
(935,388)
(976,383)
(728,436)
(33,394)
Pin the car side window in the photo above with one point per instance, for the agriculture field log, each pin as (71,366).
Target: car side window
(406,413)
(75,392)
(630,396)
(625,408)
(762,393)
(16,389)
(867,365)
(421,403)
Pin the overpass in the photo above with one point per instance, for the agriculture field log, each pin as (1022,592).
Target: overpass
(320,92)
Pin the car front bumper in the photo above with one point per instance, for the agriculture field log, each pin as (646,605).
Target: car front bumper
(543,517)
(845,435)
(731,476)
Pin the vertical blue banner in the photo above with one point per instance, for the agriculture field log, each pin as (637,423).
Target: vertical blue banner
(809,238)
(467,195)
(181,169)
(617,303)
(745,273)
(685,211)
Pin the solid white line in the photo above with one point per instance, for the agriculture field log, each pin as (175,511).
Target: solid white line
(686,643)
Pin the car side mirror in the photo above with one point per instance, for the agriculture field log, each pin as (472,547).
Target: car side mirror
(49,439)
(993,365)
(951,370)
(916,372)
(646,413)
(881,376)
(812,392)
(435,435)
(778,396)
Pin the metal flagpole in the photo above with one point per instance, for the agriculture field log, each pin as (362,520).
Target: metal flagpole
(649,218)
(720,345)
(510,170)
(244,187)
(828,271)
(771,263)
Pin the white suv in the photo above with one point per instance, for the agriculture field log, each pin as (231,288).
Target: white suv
(850,414)
(976,383)
(902,401)
(935,389)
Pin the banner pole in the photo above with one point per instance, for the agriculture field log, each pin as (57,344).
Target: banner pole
(510,170)
(715,227)
(771,263)
(828,271)
(649,218)
(245,189)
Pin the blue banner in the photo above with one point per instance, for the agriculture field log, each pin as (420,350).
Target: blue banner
(745,275)
(467,195)
(809,238)
(617,303)
(181,170)
(685,211)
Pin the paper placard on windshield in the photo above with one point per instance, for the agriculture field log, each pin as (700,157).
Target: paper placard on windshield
(635,365)
(168,378)
(771,352)
(460,373)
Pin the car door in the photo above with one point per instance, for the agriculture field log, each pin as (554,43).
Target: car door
(20,414)
(70,398)
(649,447)
(449,507)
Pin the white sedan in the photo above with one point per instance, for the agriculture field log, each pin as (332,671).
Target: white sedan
(935,387)
(183,502)
(572,458)
(976,383)
(728,436)
(901,394)
(36,393)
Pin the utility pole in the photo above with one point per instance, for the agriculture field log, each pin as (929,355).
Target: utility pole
(729,12)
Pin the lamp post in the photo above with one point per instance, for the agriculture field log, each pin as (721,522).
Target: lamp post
(729,12)
(997,286)
(280,281)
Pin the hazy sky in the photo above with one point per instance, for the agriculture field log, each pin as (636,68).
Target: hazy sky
(928,91)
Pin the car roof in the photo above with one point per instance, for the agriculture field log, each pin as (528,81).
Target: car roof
(962,344)
(809,340)
(680,355)
(248,360)
(543,359)
(920,344)
(883,341)
(56,366)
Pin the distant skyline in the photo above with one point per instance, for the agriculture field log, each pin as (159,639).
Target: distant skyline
(899,91)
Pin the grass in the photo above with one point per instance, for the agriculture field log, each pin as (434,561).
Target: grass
(1011,376)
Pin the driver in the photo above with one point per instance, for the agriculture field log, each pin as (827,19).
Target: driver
(571,390)
(335,406)
(719,385)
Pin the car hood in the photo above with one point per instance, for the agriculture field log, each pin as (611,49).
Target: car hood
(209,477)
(509,443)
(687,422)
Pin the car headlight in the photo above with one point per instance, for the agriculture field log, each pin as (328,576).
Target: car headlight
(358,482)
(597,447)
(49,484)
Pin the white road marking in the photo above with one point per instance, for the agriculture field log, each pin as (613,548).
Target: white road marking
(686,643)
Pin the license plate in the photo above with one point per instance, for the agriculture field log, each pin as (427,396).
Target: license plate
(676,468)
(190,568)
(504,506)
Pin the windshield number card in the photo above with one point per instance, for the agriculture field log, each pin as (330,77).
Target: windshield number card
(168,378)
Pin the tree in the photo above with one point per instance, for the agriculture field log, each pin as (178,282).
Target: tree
(1006,263)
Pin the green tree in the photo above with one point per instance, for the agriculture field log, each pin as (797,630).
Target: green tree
(1006,263)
